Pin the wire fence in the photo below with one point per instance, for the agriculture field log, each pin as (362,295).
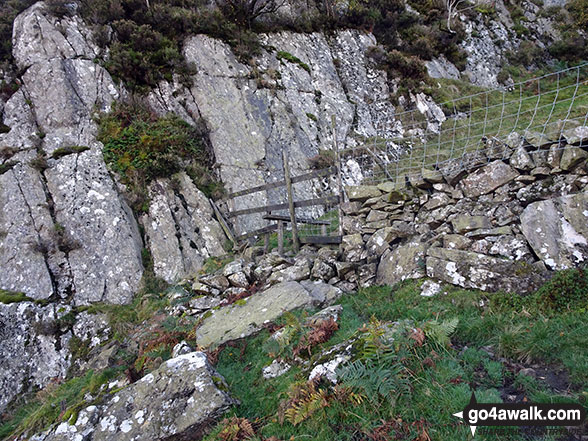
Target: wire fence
(543,112)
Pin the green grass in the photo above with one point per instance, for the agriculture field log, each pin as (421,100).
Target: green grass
(7,297)
(283,55)
(537,105)
(528,330)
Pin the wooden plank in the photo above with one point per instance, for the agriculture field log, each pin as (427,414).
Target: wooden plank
(305,177)
(290,194)
(299,220)
(268,229)
(222,222)
(327,200)
(321,240)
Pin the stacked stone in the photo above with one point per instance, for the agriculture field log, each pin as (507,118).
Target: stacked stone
(517,211)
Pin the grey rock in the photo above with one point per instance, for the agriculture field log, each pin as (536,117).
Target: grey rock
(276,369)
(479,271)
(353,247)
(351,225)
(437,200)
(344,268)
(366,275)
(178,400)
(93,329)
(363,192)
(40,37)
(577,135)
(217,281)
(557,230)
(572,157)
(33,350)
(351,208)
(465,222)
(485,232)
(521,160)
(488,178)
(204,303)
(404,262)
(179,228)
(456,242)
(375,215)
(380,241)
(321,293)
(440,67)
(513,248)
(432,176)
(64,88)
(181,348)
(238,321)
(537,140)
(429,288)
(322,270)
(239,280)
(233,267)
(299,271)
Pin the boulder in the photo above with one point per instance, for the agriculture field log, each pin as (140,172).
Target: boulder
(178,401)
(488,178)
(557,230)
(479,271)
(240,320)
(404,262)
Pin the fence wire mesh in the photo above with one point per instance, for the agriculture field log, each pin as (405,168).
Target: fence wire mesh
(542,112)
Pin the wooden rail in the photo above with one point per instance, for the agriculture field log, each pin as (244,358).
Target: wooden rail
(315,174)
(276,207)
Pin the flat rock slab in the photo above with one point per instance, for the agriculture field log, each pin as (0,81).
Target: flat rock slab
(177,401)
(479,271)
(488,178)
(557,230)
(238,321)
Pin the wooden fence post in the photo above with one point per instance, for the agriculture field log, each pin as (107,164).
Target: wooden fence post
(280,237)
(339,181)
(295,242)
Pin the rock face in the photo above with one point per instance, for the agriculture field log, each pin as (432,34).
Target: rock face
(66,231)
(557,230)
(238,321)
(180,230)
(177,401)
(283,105)
(32,351)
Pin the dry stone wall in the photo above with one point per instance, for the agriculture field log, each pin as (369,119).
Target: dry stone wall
(504,223)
